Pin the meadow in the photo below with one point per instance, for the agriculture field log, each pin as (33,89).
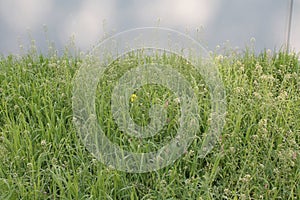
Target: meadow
(257,155)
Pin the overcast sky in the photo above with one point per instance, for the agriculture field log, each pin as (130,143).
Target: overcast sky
(216,21)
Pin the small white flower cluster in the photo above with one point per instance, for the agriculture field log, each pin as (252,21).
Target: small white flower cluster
(246,178)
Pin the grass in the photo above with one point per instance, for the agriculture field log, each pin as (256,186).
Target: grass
(257,156)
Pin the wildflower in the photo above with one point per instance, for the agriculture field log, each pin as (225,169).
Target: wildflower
(239,90)
(265,77)
(263,123)
(177,100)
(255,137)
(239,63)
(258,67)
(43,142)
(219,58)
(242,69)
(283,95)
(94,161)
(276,171)
(232,149)
(226,191)
(269,53)
(246,178)
(262,166)
(288,76)
(191,152)
(163,182)
(243,196)
(29,165)
(133,98)
(257,95)
(187,181)
(54,161)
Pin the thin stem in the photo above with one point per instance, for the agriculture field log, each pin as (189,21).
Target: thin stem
(289,26)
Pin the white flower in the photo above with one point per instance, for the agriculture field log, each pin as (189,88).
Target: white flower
(43,142)
(177,100)
(219,58)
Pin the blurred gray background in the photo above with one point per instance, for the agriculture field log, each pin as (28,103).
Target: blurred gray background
(213,22)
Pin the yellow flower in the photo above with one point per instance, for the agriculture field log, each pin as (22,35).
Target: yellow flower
(133,98)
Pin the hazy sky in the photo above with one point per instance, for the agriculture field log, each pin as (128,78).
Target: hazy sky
(216,21)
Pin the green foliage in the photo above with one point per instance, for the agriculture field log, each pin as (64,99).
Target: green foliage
(257,157)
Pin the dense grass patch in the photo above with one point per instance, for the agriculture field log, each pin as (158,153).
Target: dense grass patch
(257,157)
